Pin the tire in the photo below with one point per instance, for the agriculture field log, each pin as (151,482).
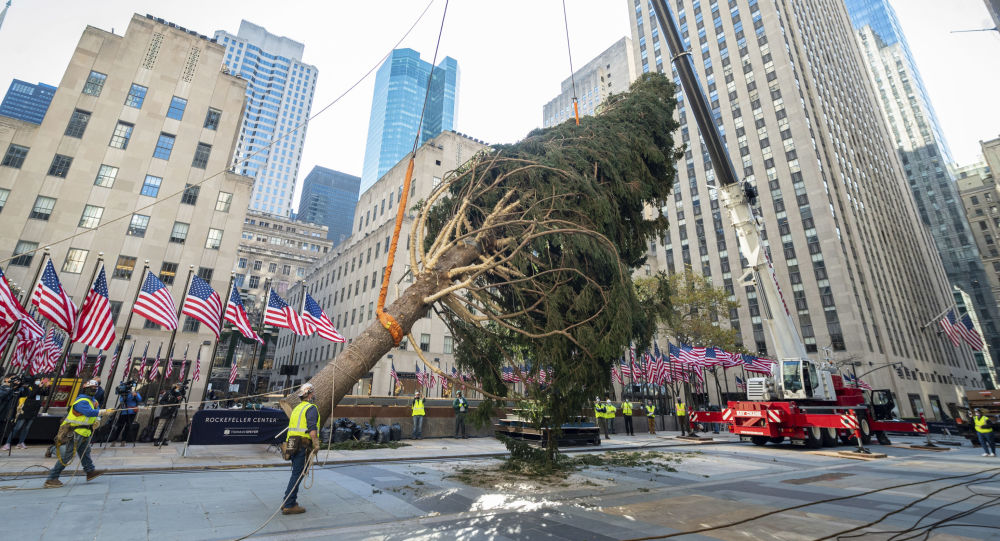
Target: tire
(829,437)
(777,440)
(866,432)
(759,441)
(814,437)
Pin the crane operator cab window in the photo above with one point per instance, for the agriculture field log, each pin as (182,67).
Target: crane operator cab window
(791,376)
(810,378)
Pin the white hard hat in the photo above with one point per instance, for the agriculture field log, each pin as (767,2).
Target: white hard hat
(306,389)
(93,383)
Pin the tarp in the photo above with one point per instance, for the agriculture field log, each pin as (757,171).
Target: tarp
(234,427)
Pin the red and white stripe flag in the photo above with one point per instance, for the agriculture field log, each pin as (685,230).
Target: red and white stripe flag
(203,304)
(237,315)
(314,314)
(52,301)
(232,373)
(154,370)
(96,326)
(279,314)
(156,304)
(197,367)
(950,326)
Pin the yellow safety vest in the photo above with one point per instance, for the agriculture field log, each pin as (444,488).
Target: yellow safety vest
(981,424)
(82,422)
(627,408)
(650,411)
(681,410)
(610,410)
(297,421)
(418,406)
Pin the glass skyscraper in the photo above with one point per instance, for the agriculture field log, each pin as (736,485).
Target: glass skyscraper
(329,198)
(400,86)
(27,102)
(280,92)
(924,154)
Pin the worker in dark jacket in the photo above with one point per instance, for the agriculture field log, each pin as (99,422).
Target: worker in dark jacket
(33,392)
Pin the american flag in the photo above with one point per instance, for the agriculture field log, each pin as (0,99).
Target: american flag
(740,384)
(83,362)
(616,375)
(170,364)
(393,374)
(324,327)
(712,357)
(53,350)
(197,367)
(631,353)
(52,300)
(156,304)
(968,331)
(127,365)
(96,372)
(8,303)
(114,363)
(692,355)
(203,304)
(729,360)
(626,370)
(232,373)
(184,362)
(142,363)
(419,375)
(950,326)
(757,364)
(237,315)
(279,314)
(154,370)
(855,381)
(96,326)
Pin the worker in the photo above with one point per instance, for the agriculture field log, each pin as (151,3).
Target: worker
(417,413)
(609,413)
(651,416)
(461,406)
(80,421)
(682,418)
(627,414)
(602,422)
(984,429)
(303,424)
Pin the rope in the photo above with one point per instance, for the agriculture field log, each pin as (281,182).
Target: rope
(270,145)
(572,75)
(384,318)
(308,467)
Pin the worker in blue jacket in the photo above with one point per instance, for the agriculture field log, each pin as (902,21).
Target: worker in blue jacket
(82,418)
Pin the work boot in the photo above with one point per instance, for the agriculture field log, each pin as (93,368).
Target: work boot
(293,510)
(22,446)
(48,453)
(6,447)
(94,474)
(52,483)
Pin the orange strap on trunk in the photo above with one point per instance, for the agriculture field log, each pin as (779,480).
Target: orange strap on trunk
(384,318)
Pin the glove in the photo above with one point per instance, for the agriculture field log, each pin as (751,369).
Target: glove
(315,446)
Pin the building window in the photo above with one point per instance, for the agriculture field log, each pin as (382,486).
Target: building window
(43,208)
(137,228)
(77,124)
(136,95)
(425,342)
(4,194)
(214,240)
(449,345)
(164,145)
(176,109)
(116,308)
(24,252)
(190,195)
(179,233)
(60,166)
(15,156)
(94,84)
(124,267)
(91,217)
(201,155)
(286,269)
(121,136)
(148,324)
(168,271)
(151,186)
(272,267)
(191,324)
(224,201)
(257,265)
(106,176)
(205,273)
(242,263)
(212,119)
(254,281)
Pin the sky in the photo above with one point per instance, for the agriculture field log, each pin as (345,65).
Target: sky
(512,56)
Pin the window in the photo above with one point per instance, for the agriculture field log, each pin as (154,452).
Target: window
(124,267)
(94,84)
(24,252)
(179,232)
(176,109)
(116,308)
(214,240)
(224,201)
(164,145)
(77,124)
(15,156)
(151,186)
(254,282)
(191,324)
(425,342)
(91,217)
(212,119)
(449,345)
(201,156)
(168,271)
(286,269)
(136,95)
(190,195)
(43,208)
(4,194)
(121,136)
(106,176)
(137,228)
(60,166)
(205,273)
(257,265)
(272,267)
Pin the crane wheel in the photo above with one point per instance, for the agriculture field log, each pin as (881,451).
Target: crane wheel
(814,437)
(777,440)
(866,432)
(759,440)
(829,437)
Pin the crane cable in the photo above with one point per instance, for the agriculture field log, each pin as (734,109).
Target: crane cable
(384,318)
(572,75)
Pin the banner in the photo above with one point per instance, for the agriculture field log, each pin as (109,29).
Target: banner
(235,427)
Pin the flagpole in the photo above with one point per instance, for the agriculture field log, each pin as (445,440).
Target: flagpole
(215,348)
(291,356)
(128,325)
(260,329)
(173,334)
(25,301)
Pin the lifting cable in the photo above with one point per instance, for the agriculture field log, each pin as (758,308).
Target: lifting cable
(572,75)
(384,318)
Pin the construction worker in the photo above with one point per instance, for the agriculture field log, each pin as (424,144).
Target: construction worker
(609,413)
(984,429)
(80,421)
(627,414)
(651,416)
(303,423)
(461,406)
(417,413)
(602,422)
(682,418)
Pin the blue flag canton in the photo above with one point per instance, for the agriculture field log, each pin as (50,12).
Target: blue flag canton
(234,296)
(101,284)
(153,284)
(312,307)
(200,288)
(274,301)
(50,279)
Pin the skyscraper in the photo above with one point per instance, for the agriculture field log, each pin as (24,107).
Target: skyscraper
(924,153)
(27,102)
(400,86)
(280,92)
(610,72)
(329,198)
(801,121)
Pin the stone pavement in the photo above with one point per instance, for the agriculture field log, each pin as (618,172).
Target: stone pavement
(419,498)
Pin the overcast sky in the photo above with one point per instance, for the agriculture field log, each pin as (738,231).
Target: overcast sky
(511,54)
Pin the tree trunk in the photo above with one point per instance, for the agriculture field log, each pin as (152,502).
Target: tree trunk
(371,345)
